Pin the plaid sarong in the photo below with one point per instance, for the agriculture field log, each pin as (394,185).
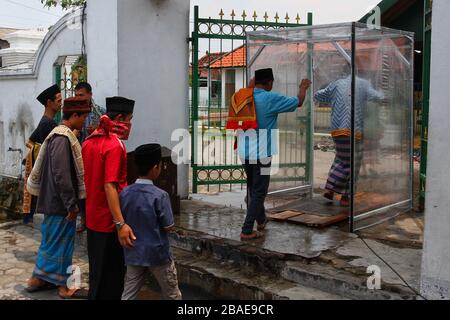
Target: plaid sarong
(56,250)
(339,175)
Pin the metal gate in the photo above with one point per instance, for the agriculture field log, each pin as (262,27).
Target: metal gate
(218,69)
(68,72)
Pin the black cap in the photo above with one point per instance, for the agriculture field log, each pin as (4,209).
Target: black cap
(119,104)
(263,75)
(48,93)
(148,155)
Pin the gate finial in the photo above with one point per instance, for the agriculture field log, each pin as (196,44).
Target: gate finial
(298,18)
(276,17)
(232,14)
(244,15)
(254,15)
(265,17)
(287,18)
(221,14)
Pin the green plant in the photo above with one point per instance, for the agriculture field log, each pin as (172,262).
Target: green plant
(64,3)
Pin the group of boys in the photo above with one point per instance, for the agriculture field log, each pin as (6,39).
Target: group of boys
(80,168)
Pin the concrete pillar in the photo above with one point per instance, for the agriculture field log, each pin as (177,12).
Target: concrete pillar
(139,49)
(435,282)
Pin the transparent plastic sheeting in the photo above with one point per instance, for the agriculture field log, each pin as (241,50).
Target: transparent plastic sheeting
(384,60)
(383,157)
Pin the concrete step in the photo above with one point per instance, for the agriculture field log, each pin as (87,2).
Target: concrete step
(314,273)
(226,280)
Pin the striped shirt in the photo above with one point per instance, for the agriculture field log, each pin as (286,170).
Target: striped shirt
(338,95)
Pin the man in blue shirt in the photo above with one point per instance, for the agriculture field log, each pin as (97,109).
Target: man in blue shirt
(147,210)
(256,147)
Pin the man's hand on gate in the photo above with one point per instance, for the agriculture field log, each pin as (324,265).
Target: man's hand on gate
(126,236)
(305,84)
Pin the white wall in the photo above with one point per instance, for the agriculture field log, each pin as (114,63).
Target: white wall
(435,282)
(148,41)
(101,45)
(20,112)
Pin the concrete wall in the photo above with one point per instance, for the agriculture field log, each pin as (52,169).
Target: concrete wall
(435,283)
(144,56)
(20,112)
(101,45)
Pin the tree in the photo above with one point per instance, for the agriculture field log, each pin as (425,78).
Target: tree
(64,3)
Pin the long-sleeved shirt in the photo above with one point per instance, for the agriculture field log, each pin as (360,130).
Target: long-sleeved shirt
(58,193)
(338,95)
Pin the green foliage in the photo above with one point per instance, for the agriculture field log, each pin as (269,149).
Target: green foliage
(64,3)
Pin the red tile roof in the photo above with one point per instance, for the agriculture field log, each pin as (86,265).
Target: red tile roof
(233,59)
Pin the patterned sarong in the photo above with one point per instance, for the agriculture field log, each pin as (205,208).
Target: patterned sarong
(56,250)
(29,201)
(339,175)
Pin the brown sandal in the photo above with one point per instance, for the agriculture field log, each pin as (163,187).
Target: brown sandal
(251,236)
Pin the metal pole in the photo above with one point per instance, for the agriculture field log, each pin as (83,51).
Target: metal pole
(352,148)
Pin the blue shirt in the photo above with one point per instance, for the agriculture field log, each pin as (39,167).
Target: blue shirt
(338,95)
(262,142)
(147,210)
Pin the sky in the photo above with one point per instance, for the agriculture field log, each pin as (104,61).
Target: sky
(31,13)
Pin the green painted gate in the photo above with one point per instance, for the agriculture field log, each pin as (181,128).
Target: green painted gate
(218,69)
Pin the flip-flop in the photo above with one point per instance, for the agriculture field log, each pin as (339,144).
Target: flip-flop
(80,294)
(45,287)
(252,236)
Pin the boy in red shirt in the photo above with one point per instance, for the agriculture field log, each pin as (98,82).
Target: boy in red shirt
(105,162)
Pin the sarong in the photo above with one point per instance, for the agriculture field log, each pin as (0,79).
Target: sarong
(29,201)
(339,175)
(56,250)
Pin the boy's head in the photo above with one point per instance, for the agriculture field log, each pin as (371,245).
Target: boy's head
(148,160)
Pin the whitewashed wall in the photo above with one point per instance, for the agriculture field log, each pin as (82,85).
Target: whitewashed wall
(144,56)
(435,282)
(20,112)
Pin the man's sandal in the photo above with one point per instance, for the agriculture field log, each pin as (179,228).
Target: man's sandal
(251,236)
(77,295)
(44,287)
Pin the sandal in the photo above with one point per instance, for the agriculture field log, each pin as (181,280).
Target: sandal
(78,294)
(251,236)
(44,287)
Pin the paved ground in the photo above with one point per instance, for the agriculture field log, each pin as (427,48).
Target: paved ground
(392,240)
(18,249)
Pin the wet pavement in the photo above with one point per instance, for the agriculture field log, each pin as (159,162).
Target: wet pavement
(282,237)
